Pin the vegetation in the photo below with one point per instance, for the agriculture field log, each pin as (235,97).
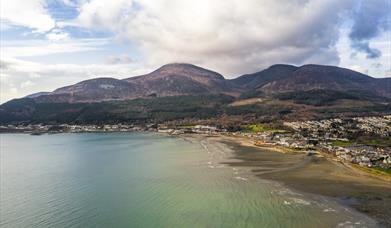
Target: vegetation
(319,97)
(342,143)
(256,128)
(162,109)
(383,170)
(138,110)
(382,142)
(364,141)
(386,173)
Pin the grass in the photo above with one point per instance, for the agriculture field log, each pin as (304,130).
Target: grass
(388,171)
(375,171)
(186,126)
(257,128)
(380,142)
(342,143)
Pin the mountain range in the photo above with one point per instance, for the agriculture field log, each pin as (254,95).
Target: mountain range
(286,85)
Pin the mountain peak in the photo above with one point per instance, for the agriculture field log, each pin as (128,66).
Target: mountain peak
(275,66)
(173,65)
(186,69)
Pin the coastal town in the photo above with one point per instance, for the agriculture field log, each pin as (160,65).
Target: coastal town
(364,141)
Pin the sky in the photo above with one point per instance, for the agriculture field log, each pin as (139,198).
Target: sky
(47,44)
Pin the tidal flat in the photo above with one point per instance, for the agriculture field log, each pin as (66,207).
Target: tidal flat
(317,174)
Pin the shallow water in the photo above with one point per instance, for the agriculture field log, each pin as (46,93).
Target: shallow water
(145,180)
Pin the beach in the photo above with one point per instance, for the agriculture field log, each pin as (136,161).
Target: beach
(312,174)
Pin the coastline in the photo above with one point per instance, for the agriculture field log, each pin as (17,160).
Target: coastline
(247,142)
(318,174)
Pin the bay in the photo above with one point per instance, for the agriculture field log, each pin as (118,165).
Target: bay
(145,180)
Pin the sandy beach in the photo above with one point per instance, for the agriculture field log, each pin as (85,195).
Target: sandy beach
(314,174)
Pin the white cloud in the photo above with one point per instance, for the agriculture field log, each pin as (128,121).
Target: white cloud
(360,69)
(57,35)
(102,13)
(26,84)
(24,48)
(388,73)
(29,13)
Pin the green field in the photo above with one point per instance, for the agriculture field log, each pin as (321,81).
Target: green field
(380,142)
(257,128)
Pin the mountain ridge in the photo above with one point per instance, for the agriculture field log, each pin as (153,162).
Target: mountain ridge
(178,79)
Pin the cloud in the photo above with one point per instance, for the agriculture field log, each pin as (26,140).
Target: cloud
(26,84)
(32,14)
(122,59)
(58,44)
(57,35)
(363,46)
(370,18)
(102,13)
(359,69)
(388,72)
(235,36)
(230,35)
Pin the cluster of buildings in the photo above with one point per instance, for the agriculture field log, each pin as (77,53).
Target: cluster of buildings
(367,156)
(377,125)
(198,129)
(37,129)
(323,134)
(41,129)
(340,129)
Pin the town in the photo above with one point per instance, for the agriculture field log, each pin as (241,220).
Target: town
(365,141)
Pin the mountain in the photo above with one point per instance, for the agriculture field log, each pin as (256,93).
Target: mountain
(183,79)
(183,91)
(169,80)
(286,78)
(34,95)
(93,90)
(180,79)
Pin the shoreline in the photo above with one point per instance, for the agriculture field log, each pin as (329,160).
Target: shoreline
(243,141)
(318,174)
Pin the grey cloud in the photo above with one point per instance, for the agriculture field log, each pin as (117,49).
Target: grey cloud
(370,18)
(122,59)
(376,65)
(363,46)
(233,37)
(4,65)
(242,39)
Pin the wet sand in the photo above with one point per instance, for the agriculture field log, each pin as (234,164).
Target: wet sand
(317,175)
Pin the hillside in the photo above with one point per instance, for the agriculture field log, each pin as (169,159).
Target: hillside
(285,78)
(184,91)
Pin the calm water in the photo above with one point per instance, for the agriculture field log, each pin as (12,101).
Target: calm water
(143,180)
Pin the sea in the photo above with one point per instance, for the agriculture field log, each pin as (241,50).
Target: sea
(146,180)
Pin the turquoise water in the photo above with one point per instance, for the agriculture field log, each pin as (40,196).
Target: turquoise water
(144,180)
